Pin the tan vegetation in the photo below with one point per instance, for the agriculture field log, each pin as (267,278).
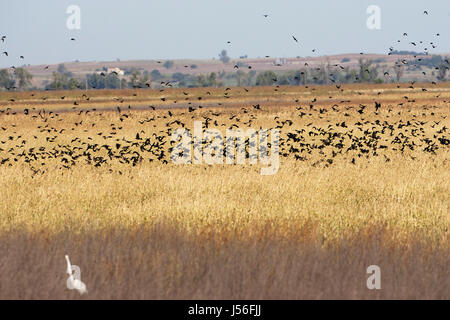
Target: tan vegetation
(140,226)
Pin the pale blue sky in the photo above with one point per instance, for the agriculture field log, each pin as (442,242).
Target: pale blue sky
(169,29)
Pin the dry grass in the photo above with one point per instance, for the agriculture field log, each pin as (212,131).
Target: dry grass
(162,262)
(158,231)
(407,198)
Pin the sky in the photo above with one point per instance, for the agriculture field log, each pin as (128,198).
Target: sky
(200,29)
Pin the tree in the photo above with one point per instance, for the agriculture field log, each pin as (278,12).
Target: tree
(364,70)
(72,84)
(399,69)
(301,76)
(207,80)
(351,74)
(223,56)
(145,80)
(212,79)
(373,74)
(266,78)
(156,75)
(139,80)
(319,75)
(243,78)
(168,64)
(23,78)
(442,71)
(62,69)
(6,79)
(95,81)
(63,79)
(201,81)
(112,81)
(179,77)
(58,81)
(367,72)
(134,79)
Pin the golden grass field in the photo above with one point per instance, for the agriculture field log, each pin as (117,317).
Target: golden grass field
(356,187)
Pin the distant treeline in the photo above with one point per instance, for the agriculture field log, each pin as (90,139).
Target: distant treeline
(367,71)
(405,53)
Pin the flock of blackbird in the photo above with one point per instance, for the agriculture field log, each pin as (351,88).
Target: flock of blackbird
(134,136)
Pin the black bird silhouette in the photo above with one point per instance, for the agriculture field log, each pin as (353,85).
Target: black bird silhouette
(377,105)
(295,39)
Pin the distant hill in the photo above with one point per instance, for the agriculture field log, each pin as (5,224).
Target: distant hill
(417,67)
(79,69)
(405,52)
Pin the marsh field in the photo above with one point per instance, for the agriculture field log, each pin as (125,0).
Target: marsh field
(363,180)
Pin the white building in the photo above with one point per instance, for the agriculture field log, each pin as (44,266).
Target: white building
(118,71)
